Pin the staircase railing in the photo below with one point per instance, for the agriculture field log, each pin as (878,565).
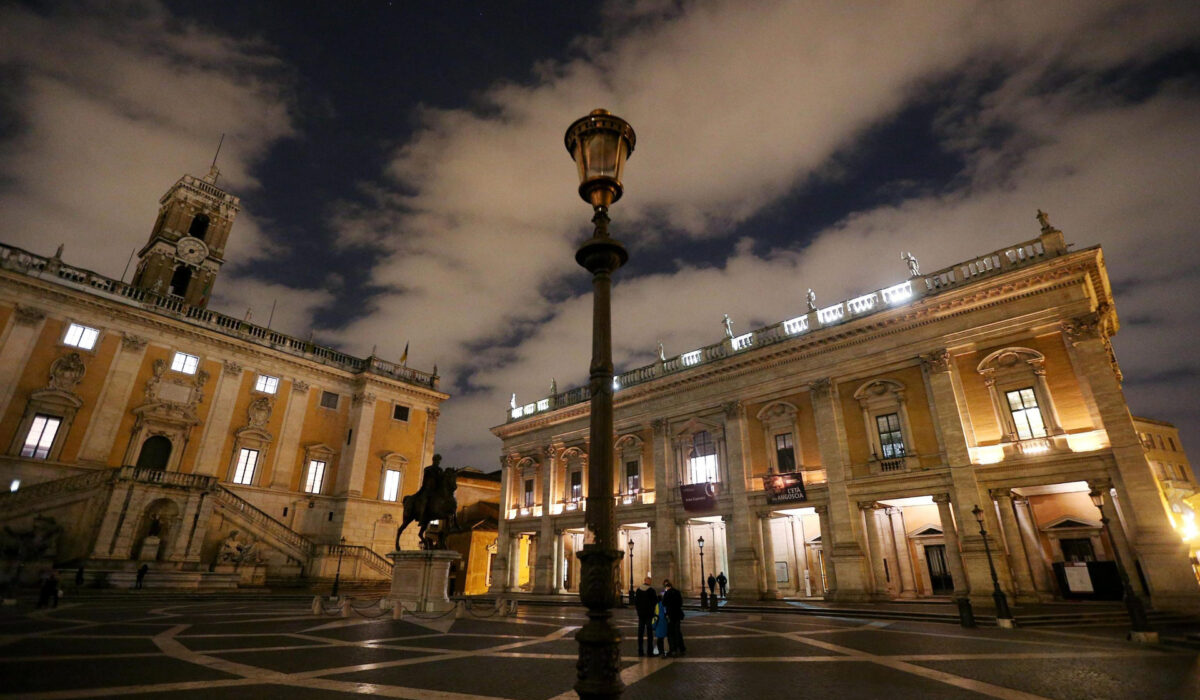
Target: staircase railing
(278,530)
(13,500)
(366,555)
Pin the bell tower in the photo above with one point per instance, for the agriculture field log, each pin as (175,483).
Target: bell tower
(187,244)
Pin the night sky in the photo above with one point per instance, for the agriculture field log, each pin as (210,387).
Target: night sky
(403,176)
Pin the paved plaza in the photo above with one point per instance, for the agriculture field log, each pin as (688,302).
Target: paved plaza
(167,647)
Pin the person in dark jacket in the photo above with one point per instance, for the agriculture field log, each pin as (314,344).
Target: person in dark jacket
(141,575)
(672,602)
(722,582)
(644,600)
(712,584)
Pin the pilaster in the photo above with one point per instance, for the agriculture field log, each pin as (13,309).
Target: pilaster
(768,540)
(743,564)
(289,437)
(352,470)
(1017,559)
(948,414)
(24,327)
(663,561)
(844,557)
(217,422)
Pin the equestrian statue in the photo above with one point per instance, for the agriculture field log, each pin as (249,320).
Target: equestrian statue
(433,501)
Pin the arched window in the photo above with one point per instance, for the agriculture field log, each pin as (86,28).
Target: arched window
(885,418)
(199,226)
(702,462)
(1016,382)
(180,280)
(155,454)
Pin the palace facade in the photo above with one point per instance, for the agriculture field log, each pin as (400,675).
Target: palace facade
(858,450)
(139,426)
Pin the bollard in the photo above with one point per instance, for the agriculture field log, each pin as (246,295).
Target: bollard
(316,605)
(346,607)
(398,612)
(460,609)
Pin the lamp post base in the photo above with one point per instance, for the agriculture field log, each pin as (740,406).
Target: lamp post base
(599,665)
(966,616)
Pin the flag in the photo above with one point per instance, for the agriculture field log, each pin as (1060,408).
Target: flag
(404,357)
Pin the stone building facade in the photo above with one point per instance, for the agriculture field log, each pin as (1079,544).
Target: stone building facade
(842,453)
(153,429)
(1176,480)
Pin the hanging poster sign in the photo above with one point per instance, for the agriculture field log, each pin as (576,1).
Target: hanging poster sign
(784,488)
(698,497)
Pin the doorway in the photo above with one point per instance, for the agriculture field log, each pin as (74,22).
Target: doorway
(940,581)
(155,454)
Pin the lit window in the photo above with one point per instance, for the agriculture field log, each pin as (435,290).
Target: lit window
(316,474)
(1026,414)
(399,412)
(633,476)
(329,399)
(891,439)
(391,484)
(785,454)
(81,337)
(703,463)
(528,503)
(247,461)
(183,362)
(576,485)
(40,437)
(267,384)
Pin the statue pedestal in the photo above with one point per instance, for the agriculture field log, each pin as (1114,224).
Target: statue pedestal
(419,579)
(150,547)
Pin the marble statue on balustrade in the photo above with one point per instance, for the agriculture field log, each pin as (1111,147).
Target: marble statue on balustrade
(811,298)
(914,267)
(433,501)
(728,324)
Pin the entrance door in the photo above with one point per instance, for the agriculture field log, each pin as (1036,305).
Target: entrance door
(155,454)
(939,574)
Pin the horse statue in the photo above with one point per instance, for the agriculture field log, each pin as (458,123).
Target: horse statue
(433,501)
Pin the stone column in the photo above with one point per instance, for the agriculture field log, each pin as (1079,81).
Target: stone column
(217,422)
(289,437)
(203,515)
(514,558)
(1158,548)
(352,470)
(544,571)
(556,570)
(830,582)
(500,561)
(113,399)
(683,557)
(875,547)
(743,564)
(1045,402)
(801,547)
(953,554)
(662,562)
(768,538)
(904,567)
(113,518)
(1017,559)
(1039,562)
(16,344)
(845,562)
(938,367)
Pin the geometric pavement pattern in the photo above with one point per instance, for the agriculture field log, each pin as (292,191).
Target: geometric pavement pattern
(150,649)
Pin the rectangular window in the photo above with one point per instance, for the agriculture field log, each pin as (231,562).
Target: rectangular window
(576,485)
(247,462)
(81,337)
(329,400)
(633,476)
(399,412)
(267,384)
(1026,414)
(183,362)
(1161,446)
(1078,549)
(391,484)
(528,502)
(702,465)
(891,439)
(316,474)
(1171,440)
(40,437)
(785,454)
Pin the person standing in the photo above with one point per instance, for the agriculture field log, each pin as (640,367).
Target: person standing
(48,593)
(141,575)
(645,599)
(672,603)
(79,577)
(712,584)
(722,582)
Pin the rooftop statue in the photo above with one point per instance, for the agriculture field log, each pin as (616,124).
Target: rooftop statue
(811,297)
(433,501)
(914,268)
(728,323)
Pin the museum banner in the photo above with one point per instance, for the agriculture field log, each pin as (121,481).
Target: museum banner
(699,497)
(784,488)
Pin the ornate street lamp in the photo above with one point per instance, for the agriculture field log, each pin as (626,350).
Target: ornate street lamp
(1004,618)
(630,543)
(337,576)
(599,143)
(703,582)
(1139,625)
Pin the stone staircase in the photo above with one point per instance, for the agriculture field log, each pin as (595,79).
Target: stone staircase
(254,519)
(46,495)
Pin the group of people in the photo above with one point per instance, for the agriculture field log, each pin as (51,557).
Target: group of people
(659,618)
(714,581)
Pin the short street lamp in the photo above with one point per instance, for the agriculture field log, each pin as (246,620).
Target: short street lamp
(1004,618)
(1138,624)
(337,576)
(599,143)
(630,543)
(703,584)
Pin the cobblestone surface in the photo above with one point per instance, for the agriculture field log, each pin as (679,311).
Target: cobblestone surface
(231,649)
